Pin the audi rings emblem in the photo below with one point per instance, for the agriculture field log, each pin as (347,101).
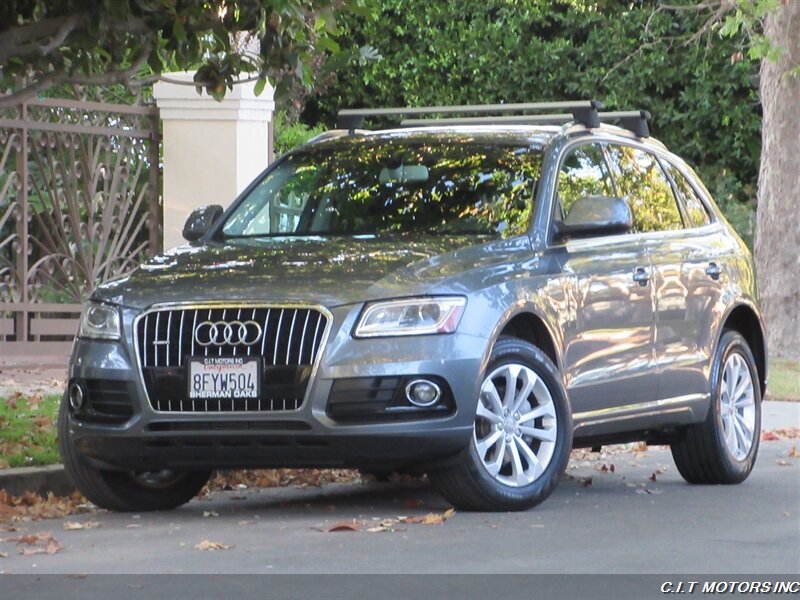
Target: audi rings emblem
(222,333)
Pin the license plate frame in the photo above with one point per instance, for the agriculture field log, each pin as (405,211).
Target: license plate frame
(223,377)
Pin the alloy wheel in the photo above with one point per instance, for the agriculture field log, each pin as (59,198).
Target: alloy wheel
(515,428)
(737,407)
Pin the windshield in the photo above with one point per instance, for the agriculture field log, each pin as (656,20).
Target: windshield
(386,186)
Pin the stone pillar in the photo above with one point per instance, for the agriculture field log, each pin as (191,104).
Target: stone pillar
(211,150)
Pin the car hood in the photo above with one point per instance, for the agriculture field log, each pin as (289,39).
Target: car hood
(329,271)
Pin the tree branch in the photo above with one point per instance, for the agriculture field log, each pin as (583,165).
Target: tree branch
(26,39)
(49,80)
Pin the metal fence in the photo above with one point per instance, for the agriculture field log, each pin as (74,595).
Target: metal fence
(79,205)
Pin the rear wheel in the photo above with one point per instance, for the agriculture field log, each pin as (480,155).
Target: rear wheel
(126,490)
(724,447)
(522,435)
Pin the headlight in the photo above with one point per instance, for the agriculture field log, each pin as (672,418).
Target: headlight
(99,321)
(414,316)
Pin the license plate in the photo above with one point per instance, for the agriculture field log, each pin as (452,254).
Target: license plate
(224,378)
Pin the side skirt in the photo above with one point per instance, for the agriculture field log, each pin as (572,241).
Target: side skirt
(644,417)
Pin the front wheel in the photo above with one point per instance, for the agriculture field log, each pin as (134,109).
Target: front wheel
(121,490)
(723,448)
(522,435)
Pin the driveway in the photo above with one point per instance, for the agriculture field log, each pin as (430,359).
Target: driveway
(626,511)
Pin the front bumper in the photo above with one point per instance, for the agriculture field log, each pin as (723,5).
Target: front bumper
(307,437)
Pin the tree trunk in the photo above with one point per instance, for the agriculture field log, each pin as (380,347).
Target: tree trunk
(777,247)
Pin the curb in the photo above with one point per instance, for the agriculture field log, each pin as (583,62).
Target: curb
(41,480)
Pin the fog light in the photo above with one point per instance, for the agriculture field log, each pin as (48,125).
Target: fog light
(75,396)
(422,392)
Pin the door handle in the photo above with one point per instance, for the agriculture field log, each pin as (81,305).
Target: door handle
(641,276)
(713,270)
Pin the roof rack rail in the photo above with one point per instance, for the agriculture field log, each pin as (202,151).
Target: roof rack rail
(634,120)
(583,111)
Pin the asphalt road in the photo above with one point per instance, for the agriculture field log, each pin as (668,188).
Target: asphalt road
(622,523)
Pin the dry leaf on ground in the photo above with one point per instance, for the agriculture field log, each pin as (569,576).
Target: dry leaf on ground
(33,506)
(785,433)
(42,543)
(75,525)
(432,518)
(209,545)
(344,526)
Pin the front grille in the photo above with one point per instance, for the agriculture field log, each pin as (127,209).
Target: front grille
(288,346)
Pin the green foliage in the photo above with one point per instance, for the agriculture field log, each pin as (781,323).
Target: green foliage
(46,43)
(289,136)
(624,52)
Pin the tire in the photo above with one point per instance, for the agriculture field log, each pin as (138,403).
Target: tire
(499,475)
(706,452)
(125,491)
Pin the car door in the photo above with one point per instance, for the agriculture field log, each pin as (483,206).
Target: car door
(608,347)
(679,255)
(685,341)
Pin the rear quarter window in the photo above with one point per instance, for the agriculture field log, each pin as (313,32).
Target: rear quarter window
(696,211)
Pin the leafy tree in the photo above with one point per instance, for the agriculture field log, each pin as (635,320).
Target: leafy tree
(624,52)
(772,28)
(46,43)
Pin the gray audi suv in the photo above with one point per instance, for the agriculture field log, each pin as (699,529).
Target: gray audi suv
(466,296)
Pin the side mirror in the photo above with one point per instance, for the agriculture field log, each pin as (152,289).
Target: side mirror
(594,216)
(200,221)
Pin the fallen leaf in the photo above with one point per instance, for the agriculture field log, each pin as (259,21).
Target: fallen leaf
(209,545)
(74,525)
(25,539)
(133,526)
(412,503)
(78,576)
(432,518)
(3,554)
(648,491)
(783,463)
(344,526)
(210,513)
(793,452)
(246,523)
(49,545)
(769,436)
(584,481)
(43,422)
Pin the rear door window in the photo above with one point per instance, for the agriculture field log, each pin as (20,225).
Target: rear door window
(640,179)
